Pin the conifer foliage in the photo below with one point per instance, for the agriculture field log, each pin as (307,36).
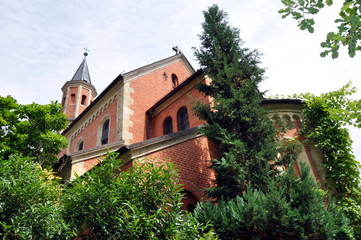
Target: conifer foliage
(292,209)
(236,121)
(251,202)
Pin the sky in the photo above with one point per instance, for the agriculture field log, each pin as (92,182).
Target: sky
(41,44)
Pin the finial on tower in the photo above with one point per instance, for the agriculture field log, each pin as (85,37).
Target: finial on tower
(86,50)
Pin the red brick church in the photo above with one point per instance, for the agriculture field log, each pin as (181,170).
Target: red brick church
(147,113)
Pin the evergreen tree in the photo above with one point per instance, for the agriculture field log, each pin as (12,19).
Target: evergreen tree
(252,203)
(236,121)
(292,209)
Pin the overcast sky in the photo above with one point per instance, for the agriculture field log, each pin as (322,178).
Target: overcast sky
(41,44)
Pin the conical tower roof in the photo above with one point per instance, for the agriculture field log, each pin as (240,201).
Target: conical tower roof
(83,72)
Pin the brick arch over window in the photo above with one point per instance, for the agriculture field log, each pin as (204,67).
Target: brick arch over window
(167,125)
(189,201)
(182,118)
(175,82)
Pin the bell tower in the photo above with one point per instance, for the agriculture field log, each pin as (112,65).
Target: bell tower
(79,92)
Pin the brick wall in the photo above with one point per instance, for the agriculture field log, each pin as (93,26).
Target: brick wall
(192,158)
(90,133)
(149,89)
(156,123)
(71,102)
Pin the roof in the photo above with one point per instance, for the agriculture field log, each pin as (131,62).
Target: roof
(83,72)
(156,64)
(281,101)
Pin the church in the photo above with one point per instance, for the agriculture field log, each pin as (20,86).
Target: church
(146,113)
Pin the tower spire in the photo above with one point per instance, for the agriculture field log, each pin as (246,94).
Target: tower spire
(79,92)
(83,72)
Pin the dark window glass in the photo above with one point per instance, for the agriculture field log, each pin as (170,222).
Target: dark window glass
(168,125)
(105,132)
(174,80)
(81,146)
(182,117)
(83,99)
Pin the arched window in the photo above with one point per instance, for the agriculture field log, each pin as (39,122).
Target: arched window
(72,98)
(174,80)
(167,125)
(182,118)
(83,99)
(105,133)
(81,146)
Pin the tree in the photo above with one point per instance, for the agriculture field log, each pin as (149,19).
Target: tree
(29,201)
(293,209)
(236,121)
(31,130)
(252,203)
(349,23)
(325,120)
(143,202)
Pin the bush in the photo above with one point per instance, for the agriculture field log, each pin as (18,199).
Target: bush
(292,209)
(143,202)
(29,201)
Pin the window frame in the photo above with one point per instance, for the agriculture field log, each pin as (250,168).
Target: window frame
(175,81)
(83,99)
(168,120)
(104,138)
(182,120)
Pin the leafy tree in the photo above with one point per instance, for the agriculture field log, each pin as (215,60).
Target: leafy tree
(236,121)
(29,201)
(143,202)
(325,120)
(31,130)
(349,23)
(293,209)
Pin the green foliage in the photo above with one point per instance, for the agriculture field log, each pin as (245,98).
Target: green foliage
(29,201)
(252,204)
(189,229)
(292,209)
(349,23)
(236,121)
(143,202)
(325,120)
(31,130)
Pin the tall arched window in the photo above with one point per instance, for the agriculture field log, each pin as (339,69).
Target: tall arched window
(174,80)
(83,99)
(182,118)
(167,125)
(81,146)
(105,133)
